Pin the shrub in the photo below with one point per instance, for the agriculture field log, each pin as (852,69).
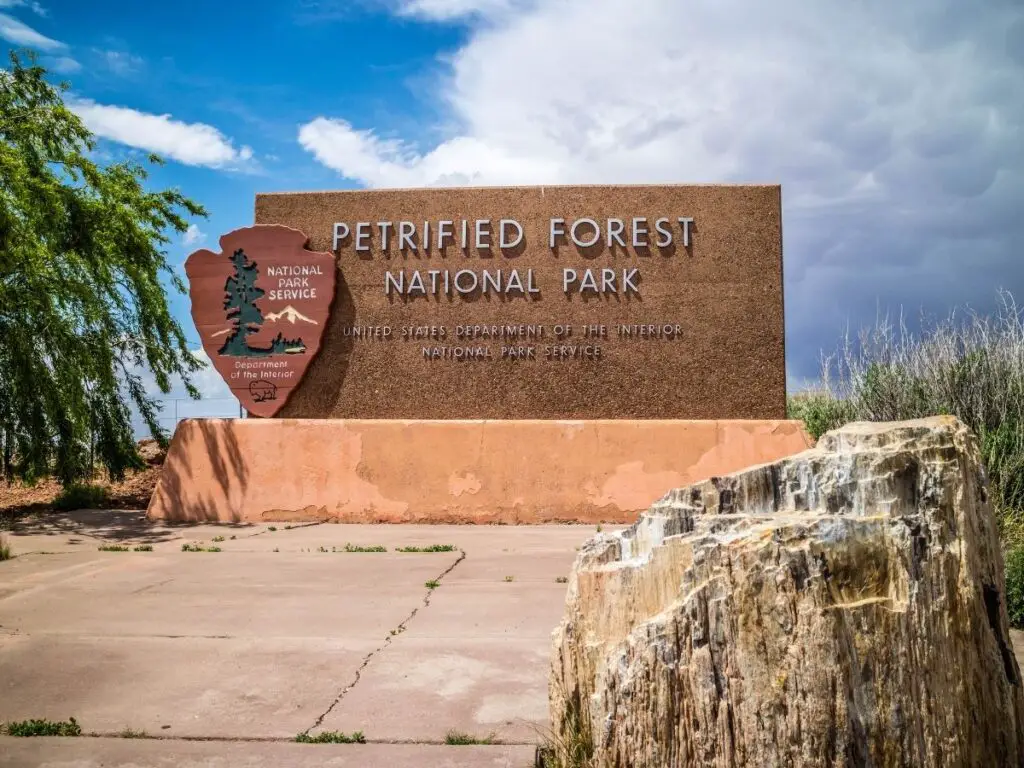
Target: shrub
(1015,586)
(819,412)
(969,365)
(81,496)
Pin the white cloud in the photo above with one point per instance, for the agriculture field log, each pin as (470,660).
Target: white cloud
(894,128)
(362,156)
(63,65)
(209,383)
(217,400)
(193,235)
(188,143)
(120,62)
(30,4)
(19,33)
(447,10)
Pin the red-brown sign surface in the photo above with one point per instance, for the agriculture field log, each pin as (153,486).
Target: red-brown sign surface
(261,306)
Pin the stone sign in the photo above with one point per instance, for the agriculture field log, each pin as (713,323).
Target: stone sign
(518,303)
(261,308)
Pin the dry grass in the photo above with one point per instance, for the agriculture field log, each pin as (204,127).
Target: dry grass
(967,365)
(570,744)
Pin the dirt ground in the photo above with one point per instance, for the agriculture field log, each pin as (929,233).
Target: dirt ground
(18,499)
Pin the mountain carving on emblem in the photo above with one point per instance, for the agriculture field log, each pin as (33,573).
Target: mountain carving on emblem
(291,314)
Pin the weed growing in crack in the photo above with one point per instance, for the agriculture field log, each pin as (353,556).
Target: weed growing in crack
(459,739)
(112,548)
(5,549)
(562,579)
(332,737)
(44,728)
(217,539)
(322,549)
(432,584)
(599,528)
(129,733)
(357,548)
(233,537)
(430,548)
(198,548)
(272,528)
(510,578)
(144,548)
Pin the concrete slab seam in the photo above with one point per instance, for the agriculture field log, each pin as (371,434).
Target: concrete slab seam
(271,740)
(387,642)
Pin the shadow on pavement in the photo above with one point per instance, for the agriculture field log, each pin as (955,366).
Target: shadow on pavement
(115,525)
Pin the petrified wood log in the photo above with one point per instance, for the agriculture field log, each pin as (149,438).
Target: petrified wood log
(844,606)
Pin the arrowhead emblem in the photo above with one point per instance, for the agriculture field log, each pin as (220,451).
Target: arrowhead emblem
(261,306)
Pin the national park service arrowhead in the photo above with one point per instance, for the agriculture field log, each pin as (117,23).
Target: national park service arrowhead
(261,306)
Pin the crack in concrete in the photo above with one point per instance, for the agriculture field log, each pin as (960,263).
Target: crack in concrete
(387,642)
(148,587)
(289,527)
(143,736)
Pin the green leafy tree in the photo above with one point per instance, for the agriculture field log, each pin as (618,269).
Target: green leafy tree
(83,302)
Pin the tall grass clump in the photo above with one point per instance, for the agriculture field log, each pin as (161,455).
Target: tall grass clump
(1015,586)
(570,744)
(968,365)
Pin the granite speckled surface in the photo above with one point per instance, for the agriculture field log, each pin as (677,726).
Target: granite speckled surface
(724,292)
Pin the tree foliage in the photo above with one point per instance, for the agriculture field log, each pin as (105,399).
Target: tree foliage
(83,302)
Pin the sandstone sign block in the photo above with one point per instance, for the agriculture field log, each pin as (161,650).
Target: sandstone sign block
(844,606)
(564,302)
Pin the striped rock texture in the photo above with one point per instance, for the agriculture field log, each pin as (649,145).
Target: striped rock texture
(844,606)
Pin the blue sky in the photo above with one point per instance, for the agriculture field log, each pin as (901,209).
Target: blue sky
(894,128)
(276,66)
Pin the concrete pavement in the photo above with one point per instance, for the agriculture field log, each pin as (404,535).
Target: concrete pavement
(280,632)
(175,753)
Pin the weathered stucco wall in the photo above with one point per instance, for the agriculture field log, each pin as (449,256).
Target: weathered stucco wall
(449,471)
(722,287)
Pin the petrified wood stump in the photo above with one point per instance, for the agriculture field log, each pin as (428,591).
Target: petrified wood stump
(844,606)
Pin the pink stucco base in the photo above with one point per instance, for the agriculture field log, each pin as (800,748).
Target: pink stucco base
(261,470)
